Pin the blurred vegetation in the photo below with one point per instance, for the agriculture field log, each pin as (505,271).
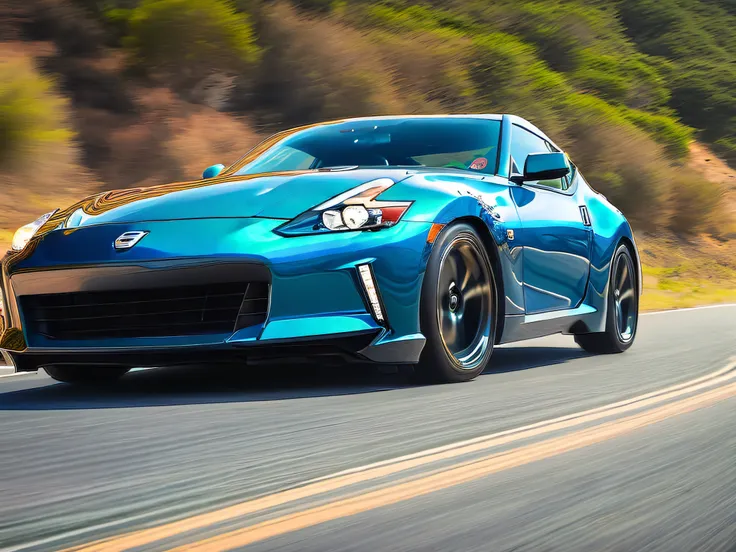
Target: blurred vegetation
(185,39)
(623,85)
(32,115)
(681,272)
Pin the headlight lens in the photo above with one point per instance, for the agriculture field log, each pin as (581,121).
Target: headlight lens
(356,209)
(25,233)
(352,217)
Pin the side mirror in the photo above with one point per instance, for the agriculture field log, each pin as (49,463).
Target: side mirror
(213,170)
(544,166)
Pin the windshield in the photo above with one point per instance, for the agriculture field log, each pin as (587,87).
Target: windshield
(460,143)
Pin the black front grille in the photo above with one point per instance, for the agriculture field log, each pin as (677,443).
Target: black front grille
(174,311)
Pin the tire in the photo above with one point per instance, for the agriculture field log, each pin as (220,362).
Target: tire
(458,308)
(622,317)
(88,375)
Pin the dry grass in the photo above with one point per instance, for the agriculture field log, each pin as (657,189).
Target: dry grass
(627,167)
(707,166)
(167,140)
(320,69)
(430,72)
(205,138)
(685,272)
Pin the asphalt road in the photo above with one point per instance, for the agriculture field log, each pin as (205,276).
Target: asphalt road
(164,445)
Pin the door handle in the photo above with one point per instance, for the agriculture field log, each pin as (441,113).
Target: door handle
(585,215)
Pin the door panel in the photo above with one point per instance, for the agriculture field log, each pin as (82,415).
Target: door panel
(556,254)
(556,242)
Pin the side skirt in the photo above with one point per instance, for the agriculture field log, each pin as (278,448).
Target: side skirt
(583,319)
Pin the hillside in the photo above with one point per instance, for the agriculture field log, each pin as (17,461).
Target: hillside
(107,94)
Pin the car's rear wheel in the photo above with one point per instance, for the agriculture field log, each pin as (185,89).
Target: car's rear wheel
(623,309)
(85,375)
(458,307)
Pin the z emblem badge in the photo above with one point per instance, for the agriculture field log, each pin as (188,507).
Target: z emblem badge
(128,240)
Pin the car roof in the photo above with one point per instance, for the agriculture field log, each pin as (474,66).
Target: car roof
(514,119)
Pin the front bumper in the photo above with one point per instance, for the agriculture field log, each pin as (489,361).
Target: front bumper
(317,302)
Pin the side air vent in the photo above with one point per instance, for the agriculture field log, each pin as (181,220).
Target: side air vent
(255,305)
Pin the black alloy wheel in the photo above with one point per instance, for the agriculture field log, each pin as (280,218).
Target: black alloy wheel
(458,307)
(623,308)
(624,298)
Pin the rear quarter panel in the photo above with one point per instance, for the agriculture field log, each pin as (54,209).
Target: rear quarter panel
(610,229)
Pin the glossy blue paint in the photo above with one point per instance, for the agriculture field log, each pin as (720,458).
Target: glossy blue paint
(307,285)
(556,254)
(552,268)
(213,170)
(318,326)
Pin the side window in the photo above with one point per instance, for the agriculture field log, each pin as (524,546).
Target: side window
(523,143)
(566,181)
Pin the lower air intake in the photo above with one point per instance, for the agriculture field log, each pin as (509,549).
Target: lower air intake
(161,312)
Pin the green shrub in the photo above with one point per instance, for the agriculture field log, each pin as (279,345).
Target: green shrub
(632,80)
(411,18)
(608,85)
(186,40)
(674,136)
(32,116)
(704,94)
(509,78)
(680,30)
(699,39)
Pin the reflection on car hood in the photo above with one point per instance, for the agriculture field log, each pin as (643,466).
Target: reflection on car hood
(272,195)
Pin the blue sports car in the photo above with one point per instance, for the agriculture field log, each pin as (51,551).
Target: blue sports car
(421,240)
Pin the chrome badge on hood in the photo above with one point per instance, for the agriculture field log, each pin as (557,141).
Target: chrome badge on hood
(128,240)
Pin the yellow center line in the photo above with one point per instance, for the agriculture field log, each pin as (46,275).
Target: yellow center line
(382,469)
(454,476)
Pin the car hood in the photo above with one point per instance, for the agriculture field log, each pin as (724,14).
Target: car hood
(271,195)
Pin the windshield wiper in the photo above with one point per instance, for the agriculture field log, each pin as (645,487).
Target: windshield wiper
(338,168)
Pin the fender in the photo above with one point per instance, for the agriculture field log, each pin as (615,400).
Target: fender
(486,199)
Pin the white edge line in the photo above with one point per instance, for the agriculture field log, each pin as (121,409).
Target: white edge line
(147,515)
(17,374)
(720,306)
(729,367)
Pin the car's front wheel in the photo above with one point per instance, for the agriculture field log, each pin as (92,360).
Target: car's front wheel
(85,375)
(458,307)
(623,309)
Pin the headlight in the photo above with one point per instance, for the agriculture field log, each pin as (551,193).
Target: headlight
(25,233)
(356,209)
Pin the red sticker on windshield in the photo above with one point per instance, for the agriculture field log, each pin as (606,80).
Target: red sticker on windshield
(479,164)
